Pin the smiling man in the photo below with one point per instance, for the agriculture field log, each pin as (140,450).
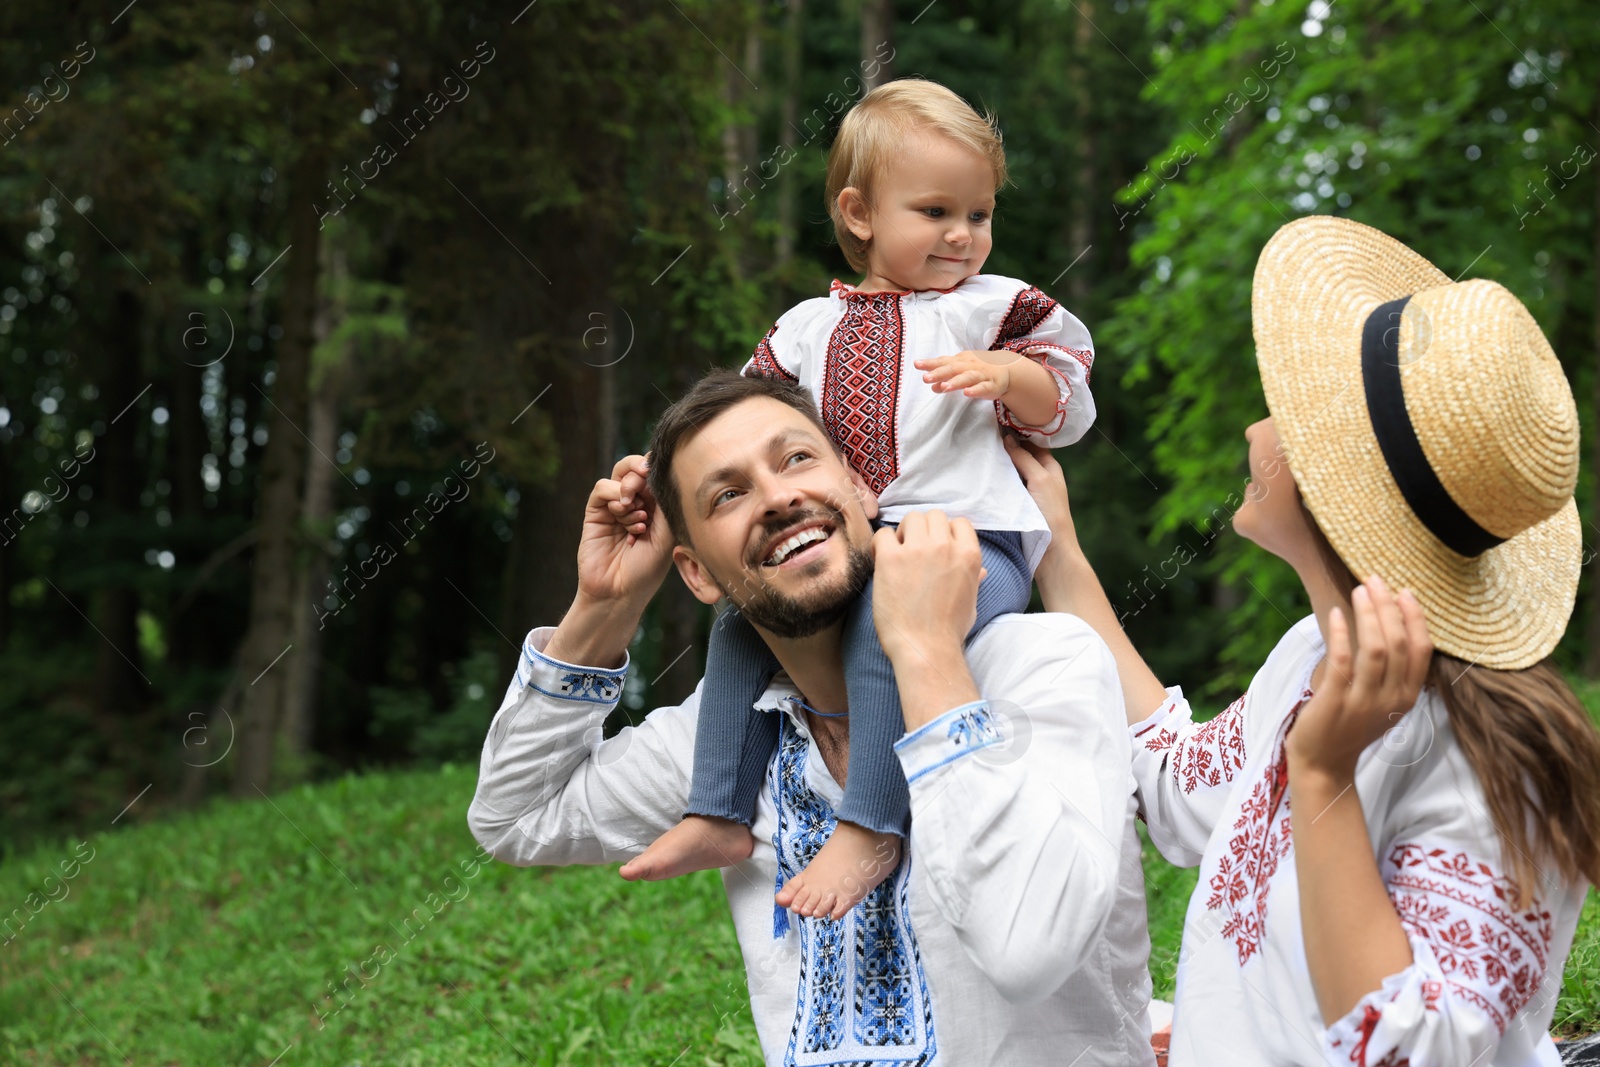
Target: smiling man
(1012,929)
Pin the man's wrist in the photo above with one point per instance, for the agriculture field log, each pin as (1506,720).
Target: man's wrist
(595,633)
(932,677)
(910,652)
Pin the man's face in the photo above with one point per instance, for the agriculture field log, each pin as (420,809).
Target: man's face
(777,522)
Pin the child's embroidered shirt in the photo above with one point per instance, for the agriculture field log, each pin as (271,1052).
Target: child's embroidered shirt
(919,449)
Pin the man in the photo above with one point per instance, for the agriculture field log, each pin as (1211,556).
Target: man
(1013,930)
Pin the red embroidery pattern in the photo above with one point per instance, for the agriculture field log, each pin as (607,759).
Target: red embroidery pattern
(861,385)
(1358,1054)
(1214,752)
(1028,309)
(1492,956)
(1370,1016)
(1082,355)
(1160,741)
(764,364)
(1261,839)
(1063,395)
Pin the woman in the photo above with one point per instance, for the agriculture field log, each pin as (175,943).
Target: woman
(1397,823)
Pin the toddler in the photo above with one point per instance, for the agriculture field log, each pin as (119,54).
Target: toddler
(917,371)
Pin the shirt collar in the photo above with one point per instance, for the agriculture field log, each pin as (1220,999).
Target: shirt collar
(845,291)
(781,695)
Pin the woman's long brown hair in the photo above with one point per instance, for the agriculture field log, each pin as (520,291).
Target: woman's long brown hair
(1534,749)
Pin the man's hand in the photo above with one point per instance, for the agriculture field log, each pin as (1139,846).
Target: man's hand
(978,374)
(626,545)
(623,555)
(924,601)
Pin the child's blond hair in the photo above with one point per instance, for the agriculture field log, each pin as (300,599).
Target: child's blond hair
(875,128)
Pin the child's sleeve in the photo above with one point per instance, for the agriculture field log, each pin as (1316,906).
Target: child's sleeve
(1038,327)
(777,355)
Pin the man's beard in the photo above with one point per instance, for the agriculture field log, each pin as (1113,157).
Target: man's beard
(821,606)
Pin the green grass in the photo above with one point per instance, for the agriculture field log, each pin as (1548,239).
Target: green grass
(213,939)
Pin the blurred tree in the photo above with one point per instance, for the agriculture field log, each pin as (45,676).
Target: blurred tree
(1436,125)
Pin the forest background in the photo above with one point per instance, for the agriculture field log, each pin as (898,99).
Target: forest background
(318,321)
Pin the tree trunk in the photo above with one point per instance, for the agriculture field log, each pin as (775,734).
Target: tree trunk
(788,218)
(1081,227)
(186,636)
(119,688)
(877,42)
(541,572)
(6,437)
(271,624)
(741,167)
(305,663)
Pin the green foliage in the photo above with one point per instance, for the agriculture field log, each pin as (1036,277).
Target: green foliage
(405,719)
(1424,121)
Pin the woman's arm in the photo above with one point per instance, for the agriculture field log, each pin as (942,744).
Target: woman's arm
(1354,939)
(1067,582)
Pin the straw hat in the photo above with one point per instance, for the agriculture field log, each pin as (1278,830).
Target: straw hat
(1441,455)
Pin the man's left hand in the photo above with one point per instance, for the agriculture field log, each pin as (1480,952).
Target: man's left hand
(925,595)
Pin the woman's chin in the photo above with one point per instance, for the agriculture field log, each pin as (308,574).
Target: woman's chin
(1242,522)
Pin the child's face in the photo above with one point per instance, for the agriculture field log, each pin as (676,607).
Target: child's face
(929,216)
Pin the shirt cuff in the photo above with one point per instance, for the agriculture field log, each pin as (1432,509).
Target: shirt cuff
(1397,1022)
(1152,723)
(1063,400)
(567,681)
(957,733)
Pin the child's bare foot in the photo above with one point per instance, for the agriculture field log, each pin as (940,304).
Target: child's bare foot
(698,843)
(845,869)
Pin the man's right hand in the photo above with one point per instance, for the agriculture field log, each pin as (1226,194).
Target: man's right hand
(623,555)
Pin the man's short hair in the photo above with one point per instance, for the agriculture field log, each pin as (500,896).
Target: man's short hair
(875,130)
(710,397)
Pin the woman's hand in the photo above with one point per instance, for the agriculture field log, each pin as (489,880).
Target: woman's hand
(1048,487)
(1067,582)
(1363,692)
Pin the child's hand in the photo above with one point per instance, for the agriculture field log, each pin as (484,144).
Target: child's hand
(981,375)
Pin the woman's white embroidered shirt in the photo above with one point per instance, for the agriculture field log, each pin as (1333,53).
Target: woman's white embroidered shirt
(1485,974)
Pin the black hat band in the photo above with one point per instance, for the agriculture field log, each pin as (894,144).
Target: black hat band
(1397,438)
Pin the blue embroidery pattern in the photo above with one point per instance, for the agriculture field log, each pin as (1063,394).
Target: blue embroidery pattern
(863,996)
(974,727)
(599,688)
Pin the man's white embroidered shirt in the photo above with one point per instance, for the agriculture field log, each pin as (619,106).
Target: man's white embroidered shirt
(1013,931)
